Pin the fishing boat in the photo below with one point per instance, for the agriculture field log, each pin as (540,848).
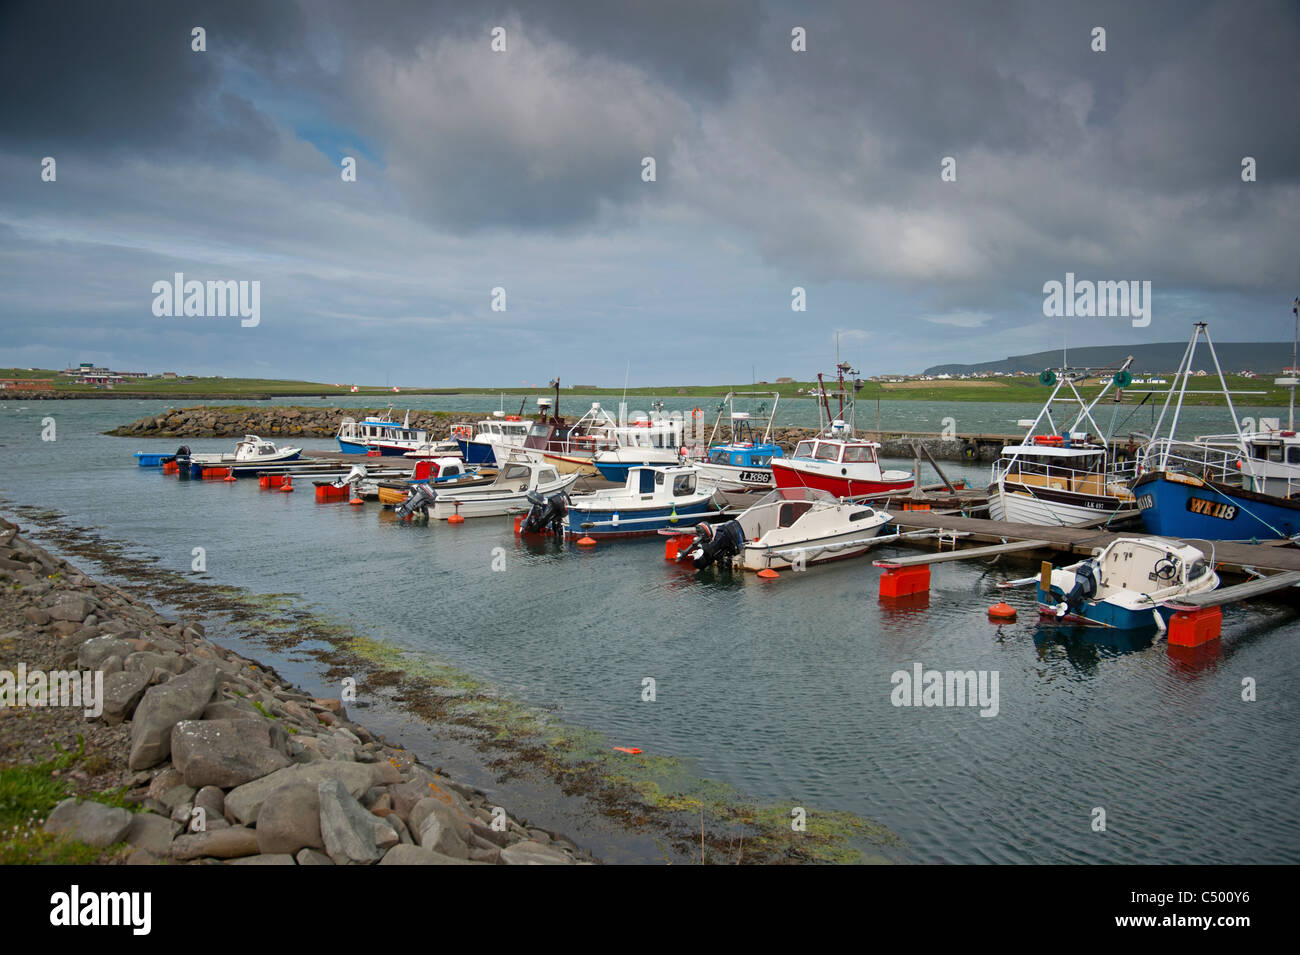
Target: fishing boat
(788,527)
(836,461)
(1215,487)
(477,445)
(435,449)
(649,440)
(251,450)
(569,448)
(506,494)
(743,463)
(1128,586)
(381,434)
(1061,475)
(652,498)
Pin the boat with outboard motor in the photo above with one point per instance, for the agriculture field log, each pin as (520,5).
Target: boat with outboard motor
(788,527)
(508,493)
(251,450)
(836,461)
(1127,586)
(654,497)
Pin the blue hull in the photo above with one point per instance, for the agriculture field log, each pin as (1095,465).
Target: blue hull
(1107,615)
(147,459)
(1173,509)
(476,453)
(351,447)
(644,520)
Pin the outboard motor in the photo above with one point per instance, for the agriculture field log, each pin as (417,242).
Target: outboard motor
(545,513)
(716,543)
(182,459)
(1085,587)
(420,498)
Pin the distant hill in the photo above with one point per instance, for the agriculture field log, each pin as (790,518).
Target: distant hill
(1264,358)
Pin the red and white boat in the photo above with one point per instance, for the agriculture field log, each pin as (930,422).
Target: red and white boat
(835,461)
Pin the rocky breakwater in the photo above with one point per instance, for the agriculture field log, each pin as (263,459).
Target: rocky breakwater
(294,421)
(214,758)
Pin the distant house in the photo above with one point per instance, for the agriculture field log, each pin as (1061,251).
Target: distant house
(785,381)
(169,374)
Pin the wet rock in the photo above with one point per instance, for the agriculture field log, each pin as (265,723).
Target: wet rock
(440,828)
(93,653)
(416,855)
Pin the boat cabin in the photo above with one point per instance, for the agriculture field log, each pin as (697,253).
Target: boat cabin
(377,430)
(671,482)
(836,451)
(1056,468)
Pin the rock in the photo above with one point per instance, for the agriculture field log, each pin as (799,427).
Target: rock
(72,607)
(152,833)
(37,616)
(164,781)
(224,753)
(347,829)
(122,692)
(264,859)
(530,853)
(231,710)
(313,857)
(180,698)
(415,855)
(212,801)
(290,819)
(438,827)
(90,822)
(92,654)
(215,843)
(245,802)
(500,839)
(146,662)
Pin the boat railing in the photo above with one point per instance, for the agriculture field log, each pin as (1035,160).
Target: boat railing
(1213,462)
(1061,477)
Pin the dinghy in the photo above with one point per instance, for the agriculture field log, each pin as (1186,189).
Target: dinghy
(507,494)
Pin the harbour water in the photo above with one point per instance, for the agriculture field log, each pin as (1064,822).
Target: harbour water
(781,689)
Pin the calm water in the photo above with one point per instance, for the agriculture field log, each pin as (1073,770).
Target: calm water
(780,688)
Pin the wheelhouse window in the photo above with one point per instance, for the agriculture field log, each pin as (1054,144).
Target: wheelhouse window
(683,484)
(1293,454)
(718,457)
(857,454)
(827,452)
(803,449)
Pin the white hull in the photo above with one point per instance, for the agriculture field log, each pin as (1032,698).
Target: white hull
(816,551)
(493,503)
(1022,508)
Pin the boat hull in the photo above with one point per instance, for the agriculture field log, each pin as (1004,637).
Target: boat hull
(476,452)
(385,450)
(1191,509)
(1050,508)
(758,557)
(786,474)
(635,521)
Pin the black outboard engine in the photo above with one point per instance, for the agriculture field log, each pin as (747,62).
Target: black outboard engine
(182,459)
(545,513)
(420,498)
(716,543)
(1085,587)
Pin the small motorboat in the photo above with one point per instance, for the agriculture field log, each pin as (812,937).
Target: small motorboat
(1128,585)
(439,473)
(507,494)
(788,527)
(652,499)
(380,434)
(251,450)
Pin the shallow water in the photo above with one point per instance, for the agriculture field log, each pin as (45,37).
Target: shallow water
(780,688)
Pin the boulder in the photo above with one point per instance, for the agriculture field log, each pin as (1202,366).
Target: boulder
(122,692)
(215,843)
(348,830)
(90,822)
(290,819)
(415,855)
(246,801)
(439,827)
(530,853)
(152,833)
(180,698)
(264,859)
(93,654)
(313,857)
(72,607)
(224,753)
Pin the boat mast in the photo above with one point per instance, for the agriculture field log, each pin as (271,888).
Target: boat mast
(1295,310)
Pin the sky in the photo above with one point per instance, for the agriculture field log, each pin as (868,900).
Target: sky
(522,169)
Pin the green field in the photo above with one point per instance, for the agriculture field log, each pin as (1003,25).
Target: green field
(1026,390)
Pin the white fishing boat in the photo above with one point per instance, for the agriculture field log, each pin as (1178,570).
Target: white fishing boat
(507,494)
(1129,585)
(788,527)
(480,444)
(1064,474)
(381,434)
(251,450)
(568,447)
(649,440)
